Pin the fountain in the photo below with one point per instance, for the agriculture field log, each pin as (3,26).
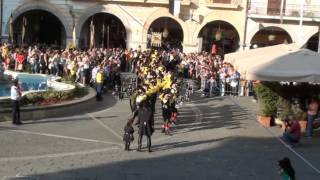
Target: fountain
(1,72)
(29,82)
(4,80)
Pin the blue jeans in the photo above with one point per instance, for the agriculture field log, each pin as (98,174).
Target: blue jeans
(310,125)
(99,87)
(290,138)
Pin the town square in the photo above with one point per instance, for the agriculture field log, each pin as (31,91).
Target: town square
(166,89)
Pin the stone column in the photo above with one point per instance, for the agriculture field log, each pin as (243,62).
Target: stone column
(134,37)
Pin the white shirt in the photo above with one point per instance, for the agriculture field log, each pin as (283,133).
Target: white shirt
(94,73)
(15,93)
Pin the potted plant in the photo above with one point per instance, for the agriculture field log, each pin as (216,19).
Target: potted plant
(267,100)
(284,110)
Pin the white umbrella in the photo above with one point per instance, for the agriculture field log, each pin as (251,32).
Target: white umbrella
(300,66)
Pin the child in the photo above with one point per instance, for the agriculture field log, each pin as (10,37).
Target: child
(286,170)
(128,134)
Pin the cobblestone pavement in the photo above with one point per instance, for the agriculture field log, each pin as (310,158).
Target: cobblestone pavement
(216,138)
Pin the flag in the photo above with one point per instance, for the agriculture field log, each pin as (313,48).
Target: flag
(24,26)
(74,37)
(108,36)
(156,39)
(103,34)
(92,34)
(11,28)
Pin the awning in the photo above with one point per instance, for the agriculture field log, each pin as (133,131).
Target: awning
(250,63)
(299,66)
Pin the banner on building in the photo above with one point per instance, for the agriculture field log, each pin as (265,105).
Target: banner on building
(24,27)
(92,34)
(11,29)
(156,39)
(74,36)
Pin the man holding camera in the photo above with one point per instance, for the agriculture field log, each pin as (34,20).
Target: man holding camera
(292,132)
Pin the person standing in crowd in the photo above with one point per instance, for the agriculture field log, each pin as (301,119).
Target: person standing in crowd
(15,96)
(313,109)
(99,84)
(286,170)
(292,132)
(222,76)
(94,72)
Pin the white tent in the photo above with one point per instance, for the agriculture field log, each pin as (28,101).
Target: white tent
(277,63)
(237,57)
(298,66)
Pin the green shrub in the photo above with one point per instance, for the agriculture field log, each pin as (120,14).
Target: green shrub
(51,96)
(267,99)
(284,109)
(289,99)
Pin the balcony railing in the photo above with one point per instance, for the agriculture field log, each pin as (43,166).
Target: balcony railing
(223,3)
(289,10)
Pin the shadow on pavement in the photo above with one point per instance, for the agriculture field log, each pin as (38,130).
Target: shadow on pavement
(107,102)
(233,158)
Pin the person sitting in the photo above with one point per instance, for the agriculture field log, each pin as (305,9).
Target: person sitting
(292,132)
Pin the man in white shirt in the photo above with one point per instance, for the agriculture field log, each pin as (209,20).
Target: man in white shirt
(15,96)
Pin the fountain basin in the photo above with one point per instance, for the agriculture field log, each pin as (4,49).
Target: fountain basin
(37,83)
(32,83)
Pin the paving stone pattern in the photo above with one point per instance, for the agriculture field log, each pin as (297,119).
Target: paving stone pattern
(216,138)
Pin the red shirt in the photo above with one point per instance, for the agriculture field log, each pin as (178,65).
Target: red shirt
(295,129)
(20,58)
(214,49)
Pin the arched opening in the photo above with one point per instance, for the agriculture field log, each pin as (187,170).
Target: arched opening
(220,34)
(270,36)
(170,30)
(313,42)
(40,27)
(109,32)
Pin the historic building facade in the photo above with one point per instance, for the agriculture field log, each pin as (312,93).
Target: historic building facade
(276,21)
(192,25)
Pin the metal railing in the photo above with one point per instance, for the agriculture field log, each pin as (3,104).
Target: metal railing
(290,10)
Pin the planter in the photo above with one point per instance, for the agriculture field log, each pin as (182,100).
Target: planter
(265,121)
(303,126)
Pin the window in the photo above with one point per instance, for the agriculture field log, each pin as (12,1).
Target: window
(222,1)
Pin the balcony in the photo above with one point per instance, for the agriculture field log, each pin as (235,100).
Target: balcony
(233,4)
(291,11)
(130,1)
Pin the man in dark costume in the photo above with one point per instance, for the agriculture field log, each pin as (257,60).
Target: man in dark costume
(146,122)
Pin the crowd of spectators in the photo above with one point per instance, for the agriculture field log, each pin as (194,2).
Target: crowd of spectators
(214,76)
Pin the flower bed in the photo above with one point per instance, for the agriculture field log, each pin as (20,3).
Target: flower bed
(53,97)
